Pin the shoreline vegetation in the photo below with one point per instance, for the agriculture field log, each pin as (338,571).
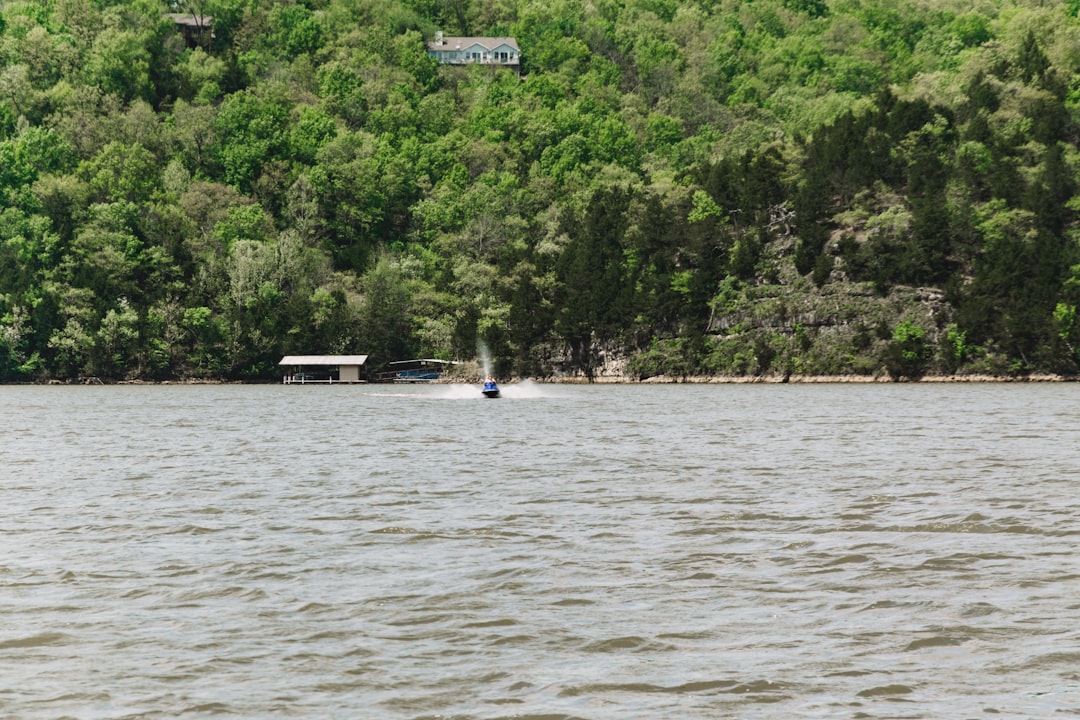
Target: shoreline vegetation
(617,380)
(668,191)
(824,380)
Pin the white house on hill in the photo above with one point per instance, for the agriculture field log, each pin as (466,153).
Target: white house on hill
(483,50)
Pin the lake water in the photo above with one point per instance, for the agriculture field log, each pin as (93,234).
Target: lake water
(629,552)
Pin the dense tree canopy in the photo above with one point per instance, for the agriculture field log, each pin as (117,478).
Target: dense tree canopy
(696,186)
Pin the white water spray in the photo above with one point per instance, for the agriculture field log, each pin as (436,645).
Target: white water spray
(484,356)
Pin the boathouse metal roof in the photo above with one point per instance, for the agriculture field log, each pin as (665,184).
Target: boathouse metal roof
(423,360)
(323,360)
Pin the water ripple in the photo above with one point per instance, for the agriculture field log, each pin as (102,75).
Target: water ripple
(569,552)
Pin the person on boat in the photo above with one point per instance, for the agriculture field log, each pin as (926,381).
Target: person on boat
(490,384)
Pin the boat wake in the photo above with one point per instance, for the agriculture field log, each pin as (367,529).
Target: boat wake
(518,390)
(525,389)
(458,392)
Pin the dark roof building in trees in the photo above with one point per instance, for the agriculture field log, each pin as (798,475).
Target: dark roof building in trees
(196,29)
(482,50)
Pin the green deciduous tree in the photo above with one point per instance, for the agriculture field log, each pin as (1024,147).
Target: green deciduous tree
(385,325)
(122,173)
(908,352)
(118,62)
(251,129)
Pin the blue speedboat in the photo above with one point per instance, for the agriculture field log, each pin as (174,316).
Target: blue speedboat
(491,390)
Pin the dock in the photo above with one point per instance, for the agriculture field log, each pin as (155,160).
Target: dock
(322,369)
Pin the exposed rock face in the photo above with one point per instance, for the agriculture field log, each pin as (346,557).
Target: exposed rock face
(781,326)
(600,362)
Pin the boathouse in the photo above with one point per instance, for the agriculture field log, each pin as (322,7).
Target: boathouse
(422,370)
(469,50)
(303,369)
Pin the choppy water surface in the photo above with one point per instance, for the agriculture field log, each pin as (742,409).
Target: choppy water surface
(565,552)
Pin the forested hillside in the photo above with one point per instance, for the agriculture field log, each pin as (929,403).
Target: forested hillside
(679,187)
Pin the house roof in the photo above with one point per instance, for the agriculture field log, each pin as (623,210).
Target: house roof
(461,43)
(323,360)
(197,21)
